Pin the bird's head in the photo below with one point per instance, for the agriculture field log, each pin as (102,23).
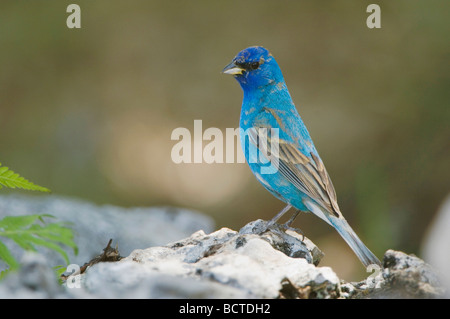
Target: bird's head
(254,68)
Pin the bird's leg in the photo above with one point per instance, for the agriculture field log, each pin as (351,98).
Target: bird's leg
(288,224)
(291,220)
(278,216)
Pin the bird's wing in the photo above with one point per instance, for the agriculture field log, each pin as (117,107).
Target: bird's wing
(306,173)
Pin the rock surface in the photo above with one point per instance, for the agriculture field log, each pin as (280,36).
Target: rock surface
(402,276)
(94,225)
(251,263)
(225,263)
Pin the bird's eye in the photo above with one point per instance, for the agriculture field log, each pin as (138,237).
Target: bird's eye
(254,65)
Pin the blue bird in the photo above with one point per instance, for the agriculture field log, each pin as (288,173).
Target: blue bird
(292,170)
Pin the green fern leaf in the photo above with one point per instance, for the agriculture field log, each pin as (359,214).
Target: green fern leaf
(12,180)
(27,232)
(9,259)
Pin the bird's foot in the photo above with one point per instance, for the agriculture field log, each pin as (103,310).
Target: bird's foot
(272,225)
(281,228)
(295,230)
(287,225)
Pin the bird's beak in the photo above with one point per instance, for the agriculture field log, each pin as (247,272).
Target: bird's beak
(233,69)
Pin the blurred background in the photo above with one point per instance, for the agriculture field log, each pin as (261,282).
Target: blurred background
(89,112)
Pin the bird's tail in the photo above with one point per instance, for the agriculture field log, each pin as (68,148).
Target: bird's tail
(363,253)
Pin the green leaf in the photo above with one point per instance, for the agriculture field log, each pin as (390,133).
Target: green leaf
(30,231)
(59,270)
(6,256)
(12,180)
(3,273)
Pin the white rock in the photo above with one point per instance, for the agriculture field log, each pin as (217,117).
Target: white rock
(223,263)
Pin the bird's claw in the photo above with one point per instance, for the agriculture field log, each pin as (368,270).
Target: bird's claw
(286,226)
(274,227)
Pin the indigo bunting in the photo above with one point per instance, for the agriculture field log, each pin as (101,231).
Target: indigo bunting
(299,178)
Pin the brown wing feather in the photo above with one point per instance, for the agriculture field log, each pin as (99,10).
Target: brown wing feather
(308,174)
